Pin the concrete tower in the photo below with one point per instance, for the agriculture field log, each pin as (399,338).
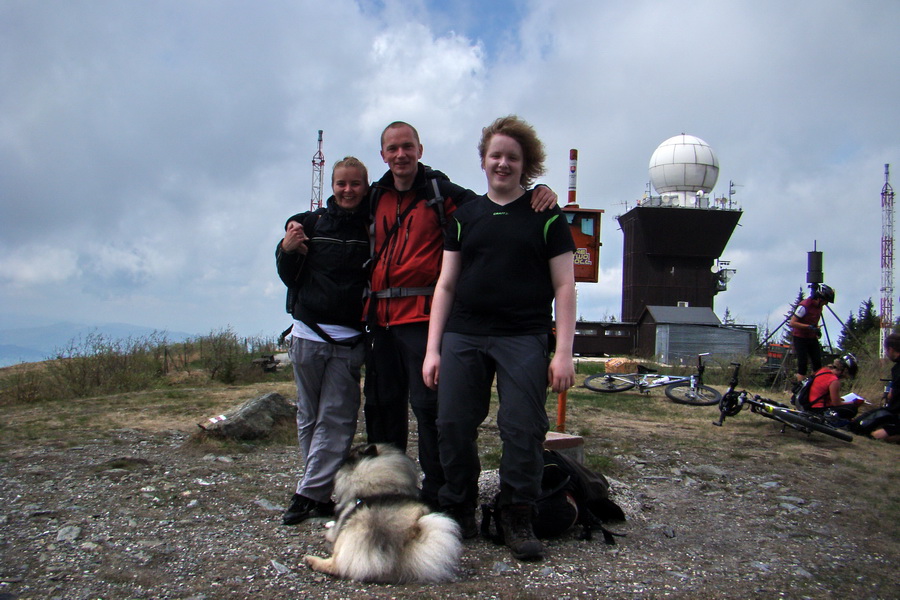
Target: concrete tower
(673,239)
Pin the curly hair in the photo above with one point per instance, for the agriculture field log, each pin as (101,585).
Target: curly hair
(533,154)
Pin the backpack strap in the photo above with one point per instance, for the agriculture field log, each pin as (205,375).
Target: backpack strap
(811,401)
(434,199)
(376,254)
(437,200)
(350,343)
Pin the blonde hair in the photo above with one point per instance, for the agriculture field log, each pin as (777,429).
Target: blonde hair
(353,162)
(533,154)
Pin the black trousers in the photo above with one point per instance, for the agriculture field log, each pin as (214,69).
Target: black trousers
(394,383)
(468,366)
(807,350)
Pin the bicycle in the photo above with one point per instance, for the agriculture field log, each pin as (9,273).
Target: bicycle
(681,389)
(733,402)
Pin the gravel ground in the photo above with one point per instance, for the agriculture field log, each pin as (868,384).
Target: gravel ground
(151,514)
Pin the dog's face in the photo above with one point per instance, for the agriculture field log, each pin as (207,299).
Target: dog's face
(361,452)
(372,469)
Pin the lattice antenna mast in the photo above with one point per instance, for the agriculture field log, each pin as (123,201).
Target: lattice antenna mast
(887,258)
(318,166)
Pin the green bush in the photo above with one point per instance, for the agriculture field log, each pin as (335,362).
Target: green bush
(96,365)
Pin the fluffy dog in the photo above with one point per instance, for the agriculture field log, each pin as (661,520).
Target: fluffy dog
(383,533)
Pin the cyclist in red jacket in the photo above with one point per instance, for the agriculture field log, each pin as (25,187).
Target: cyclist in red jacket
(805,329)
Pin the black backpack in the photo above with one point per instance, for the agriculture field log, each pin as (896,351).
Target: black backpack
(800,393)
(571,494)
(868,422)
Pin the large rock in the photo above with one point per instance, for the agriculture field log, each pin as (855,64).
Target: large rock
(253,419)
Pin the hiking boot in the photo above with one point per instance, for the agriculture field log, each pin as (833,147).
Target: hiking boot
(465,518)
(303,508)
(518,533)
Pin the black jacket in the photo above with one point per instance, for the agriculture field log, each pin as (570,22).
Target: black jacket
(326,286)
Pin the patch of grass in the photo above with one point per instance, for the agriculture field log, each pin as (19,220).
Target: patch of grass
(599,462)
(490,457)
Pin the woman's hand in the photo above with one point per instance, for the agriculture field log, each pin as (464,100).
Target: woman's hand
(294,238)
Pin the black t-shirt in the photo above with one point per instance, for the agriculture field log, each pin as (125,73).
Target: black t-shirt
(504,286)
(894,405)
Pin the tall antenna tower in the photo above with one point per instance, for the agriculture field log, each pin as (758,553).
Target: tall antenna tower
(318,165)
(887,258)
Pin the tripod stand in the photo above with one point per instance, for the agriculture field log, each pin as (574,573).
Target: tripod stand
(781,375)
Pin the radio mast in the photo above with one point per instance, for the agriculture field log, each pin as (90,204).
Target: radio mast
(887,258)
(318,165)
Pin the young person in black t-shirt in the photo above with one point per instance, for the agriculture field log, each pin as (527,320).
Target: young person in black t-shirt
(503,267)
(890,429)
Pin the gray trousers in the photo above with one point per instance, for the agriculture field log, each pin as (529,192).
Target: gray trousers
(328,399)
(468,366)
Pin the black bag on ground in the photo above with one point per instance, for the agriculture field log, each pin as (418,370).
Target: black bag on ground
(571,494)
(869,421)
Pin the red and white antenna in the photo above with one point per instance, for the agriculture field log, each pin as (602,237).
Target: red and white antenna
(573,173)
(887,258)
(318,165)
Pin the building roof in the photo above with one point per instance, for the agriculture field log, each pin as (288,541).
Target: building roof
(684,315)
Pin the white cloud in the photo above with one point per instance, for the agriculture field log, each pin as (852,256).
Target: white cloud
(162,145)
(39,266)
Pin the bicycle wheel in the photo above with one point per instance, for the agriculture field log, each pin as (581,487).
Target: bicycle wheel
(801,420)
(683,393)
(603,382)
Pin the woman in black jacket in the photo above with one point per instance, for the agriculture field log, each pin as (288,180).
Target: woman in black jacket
(322,262)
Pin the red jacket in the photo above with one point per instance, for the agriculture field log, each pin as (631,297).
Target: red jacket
(407,267)
(819,394)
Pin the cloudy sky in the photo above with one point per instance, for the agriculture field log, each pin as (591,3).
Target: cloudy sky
(150,151)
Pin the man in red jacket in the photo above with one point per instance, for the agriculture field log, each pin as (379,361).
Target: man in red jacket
(410,204)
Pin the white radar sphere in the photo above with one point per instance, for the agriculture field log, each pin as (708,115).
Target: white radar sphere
(684,163)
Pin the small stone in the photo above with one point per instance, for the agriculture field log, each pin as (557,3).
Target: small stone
(501,567)
(68,534)
(266,505)
(280,568)
(792,500)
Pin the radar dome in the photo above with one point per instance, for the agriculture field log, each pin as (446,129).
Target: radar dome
(684,163)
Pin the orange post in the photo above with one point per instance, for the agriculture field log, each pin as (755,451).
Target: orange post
(561,412)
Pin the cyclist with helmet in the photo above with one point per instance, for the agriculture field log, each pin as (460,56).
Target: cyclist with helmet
(805,329)
(825,392)
(887,426)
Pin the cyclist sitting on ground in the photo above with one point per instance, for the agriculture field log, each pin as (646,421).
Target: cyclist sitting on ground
(825,392)
(889,430)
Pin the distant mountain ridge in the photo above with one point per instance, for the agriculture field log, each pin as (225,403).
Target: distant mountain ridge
(34,344)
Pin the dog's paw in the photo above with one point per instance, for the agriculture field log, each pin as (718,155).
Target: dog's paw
(322,565)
